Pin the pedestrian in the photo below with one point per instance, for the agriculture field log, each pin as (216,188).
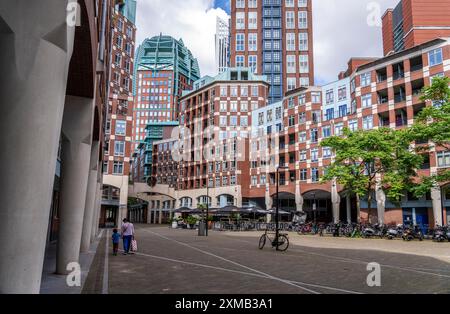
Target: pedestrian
(127,235)
(115,240)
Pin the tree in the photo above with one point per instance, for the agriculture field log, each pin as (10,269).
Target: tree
(433,124)
(367,160)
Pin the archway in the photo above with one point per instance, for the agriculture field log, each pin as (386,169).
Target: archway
(317,205)
(225,200)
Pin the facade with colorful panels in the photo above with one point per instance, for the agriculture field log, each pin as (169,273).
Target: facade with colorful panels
(380,93)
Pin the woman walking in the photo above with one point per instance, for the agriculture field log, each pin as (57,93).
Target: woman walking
(127,235)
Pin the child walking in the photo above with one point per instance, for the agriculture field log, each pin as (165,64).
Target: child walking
(116,240)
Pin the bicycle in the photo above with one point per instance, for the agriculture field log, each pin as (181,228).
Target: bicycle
(283,240)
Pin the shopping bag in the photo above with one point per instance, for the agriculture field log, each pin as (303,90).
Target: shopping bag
(134,246)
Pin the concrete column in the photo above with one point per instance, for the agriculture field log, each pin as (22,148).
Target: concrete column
(97,209)
(76,156)
(436,198)
(336,201)
(160,217)
(154,216)
(91,194)
(298,198)
(349,209)
(36,48)
(381,201)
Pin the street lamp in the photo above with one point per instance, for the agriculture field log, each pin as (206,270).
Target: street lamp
(277,230)
(314,208)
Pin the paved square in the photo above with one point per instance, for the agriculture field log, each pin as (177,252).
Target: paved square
(179,261)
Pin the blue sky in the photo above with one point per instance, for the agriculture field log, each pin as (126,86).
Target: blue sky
(224,4)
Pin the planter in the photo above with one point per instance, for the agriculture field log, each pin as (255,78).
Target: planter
(174,225)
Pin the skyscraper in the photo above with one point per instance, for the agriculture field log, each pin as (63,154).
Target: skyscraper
(222,45)
(164,68)
(274,38)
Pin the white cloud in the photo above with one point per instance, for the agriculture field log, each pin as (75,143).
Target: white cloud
(192,20)
(341,30)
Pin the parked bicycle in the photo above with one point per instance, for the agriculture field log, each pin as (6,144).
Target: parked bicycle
(282,241)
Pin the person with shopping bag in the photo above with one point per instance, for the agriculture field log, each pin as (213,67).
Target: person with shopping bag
(127,236)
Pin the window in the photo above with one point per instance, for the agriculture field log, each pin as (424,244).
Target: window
(233,180)
(234,91)
(315,175)
(326,152)
(223,106)
(118,167)
(302,19)
(240,20)
(244,121)
(254,180)
(291,120)
(278,113)
(435,57)
(302,3)
(342,93)
(240,61)
(253,63)
(252,3)
(303,41)
(302,99)
(368,123)
(338,129)
(223,121)
(120,127)
(353,125)
(365,79)
(255,92)
(252,42)
(233,106)
(303,155)
(118,59)
(291,64)
(291,83)
(289,3)
(326,130)
(302,117)
(252,20)
(330,96)
(315,155)
(367,100)
(304,64)
(314,136)
(443,159)
(290,20)
(304,81)
(240,42)
(290,41)
(244,106)
(223,91)
(302,137)
(303,174)
(119,148)
(352,86)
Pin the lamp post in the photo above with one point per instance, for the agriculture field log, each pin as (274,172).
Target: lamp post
(314,207)
(277,228)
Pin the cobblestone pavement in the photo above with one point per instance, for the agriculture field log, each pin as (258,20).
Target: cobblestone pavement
(179,261)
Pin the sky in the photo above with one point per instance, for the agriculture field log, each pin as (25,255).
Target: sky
(342,29)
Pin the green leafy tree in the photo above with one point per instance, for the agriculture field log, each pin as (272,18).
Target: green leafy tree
(364,156)
(433,124)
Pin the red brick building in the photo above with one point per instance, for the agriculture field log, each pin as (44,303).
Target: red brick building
(413,22)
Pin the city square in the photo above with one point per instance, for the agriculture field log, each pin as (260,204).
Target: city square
(225,147)
(177,261)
